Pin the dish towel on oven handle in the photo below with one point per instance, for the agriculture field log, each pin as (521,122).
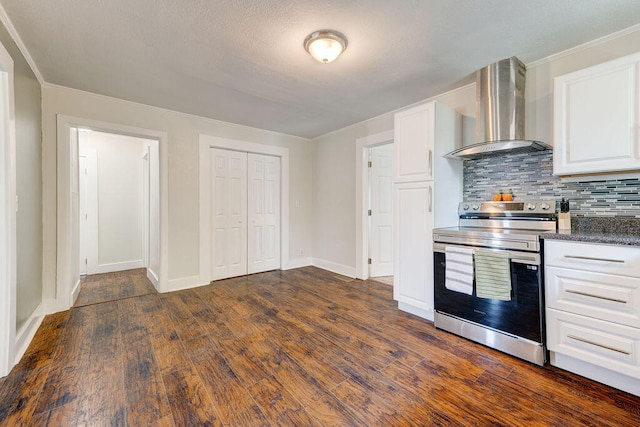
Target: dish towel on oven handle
(493,274)
(458,274)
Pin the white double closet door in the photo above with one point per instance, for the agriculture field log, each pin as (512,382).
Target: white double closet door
(245,213)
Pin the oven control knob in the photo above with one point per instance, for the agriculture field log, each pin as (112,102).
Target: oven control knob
(531,206)
(545,206)
(475,207)
(465,207)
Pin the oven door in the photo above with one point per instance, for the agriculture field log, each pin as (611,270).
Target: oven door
(522,316)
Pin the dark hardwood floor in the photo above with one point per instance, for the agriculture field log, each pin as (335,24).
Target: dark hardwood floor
(301,348)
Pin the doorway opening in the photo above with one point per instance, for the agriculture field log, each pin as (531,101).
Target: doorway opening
(114,226)
(119,203)
(364,236)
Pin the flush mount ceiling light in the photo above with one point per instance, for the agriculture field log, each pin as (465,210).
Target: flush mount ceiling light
(325,45)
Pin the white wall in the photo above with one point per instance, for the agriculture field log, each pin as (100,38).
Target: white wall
(120,199)
(333,154)
(183,131)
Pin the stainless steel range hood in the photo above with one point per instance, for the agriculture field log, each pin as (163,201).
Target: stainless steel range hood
(499,113)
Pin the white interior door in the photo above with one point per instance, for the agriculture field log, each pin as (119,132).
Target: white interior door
(146,200)
(228,213)
(82,164)
(88,201)
(263,213)
(381,205)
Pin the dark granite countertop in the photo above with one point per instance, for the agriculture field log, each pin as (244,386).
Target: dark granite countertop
(615,231)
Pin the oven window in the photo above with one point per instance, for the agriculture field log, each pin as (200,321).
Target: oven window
(521,316)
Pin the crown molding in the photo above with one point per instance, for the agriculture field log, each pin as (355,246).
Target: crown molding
(4,18)
(585,46)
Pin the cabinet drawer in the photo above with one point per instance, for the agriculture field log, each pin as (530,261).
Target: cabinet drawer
(605,344)
(602,296)
(621,260)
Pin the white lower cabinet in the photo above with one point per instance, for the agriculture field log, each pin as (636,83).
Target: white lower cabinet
(413,261)
(593,311)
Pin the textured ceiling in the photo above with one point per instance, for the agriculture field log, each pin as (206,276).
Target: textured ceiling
(242,61)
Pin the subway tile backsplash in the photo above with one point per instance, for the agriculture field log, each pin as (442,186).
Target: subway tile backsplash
(530,176)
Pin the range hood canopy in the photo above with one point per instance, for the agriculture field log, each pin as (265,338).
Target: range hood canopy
(499,113)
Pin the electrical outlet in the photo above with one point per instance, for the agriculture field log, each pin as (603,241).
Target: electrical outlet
(300,251)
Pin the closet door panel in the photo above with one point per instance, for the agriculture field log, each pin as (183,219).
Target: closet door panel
(272,213)
(264,213)
(229,213)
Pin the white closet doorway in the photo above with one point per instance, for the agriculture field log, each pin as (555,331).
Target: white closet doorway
(245,213)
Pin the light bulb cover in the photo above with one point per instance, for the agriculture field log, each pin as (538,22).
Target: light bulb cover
(325,45)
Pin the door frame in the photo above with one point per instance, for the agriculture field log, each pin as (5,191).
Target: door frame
(67,223)
(362,186)
(8,208)
(207,142)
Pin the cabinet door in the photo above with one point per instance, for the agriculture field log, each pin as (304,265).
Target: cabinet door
(413,264)
(597,118)
(414,143)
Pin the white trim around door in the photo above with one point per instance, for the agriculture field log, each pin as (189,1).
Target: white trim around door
(67,221)
(206,143)
(8,208)
(362,185)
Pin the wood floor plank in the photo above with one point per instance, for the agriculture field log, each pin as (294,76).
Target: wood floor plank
(19,392)
(101,371)
(235,405)
(106,287)
(145,394)
(190,403)
(69,361)
(280,406)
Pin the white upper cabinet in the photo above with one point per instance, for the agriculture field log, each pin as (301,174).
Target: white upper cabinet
(597,119)
(414,144)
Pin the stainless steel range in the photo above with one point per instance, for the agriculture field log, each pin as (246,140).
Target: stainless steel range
(488,275)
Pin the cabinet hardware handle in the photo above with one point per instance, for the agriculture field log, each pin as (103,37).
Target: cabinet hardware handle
(598,345)
(430,163)
(621,261)
(570,291)
(430,199)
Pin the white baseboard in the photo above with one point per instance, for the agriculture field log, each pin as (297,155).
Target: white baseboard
(118,266)
(153,278)
(297,263)
(184,283)
(25,334)
(334,267)
(75,292)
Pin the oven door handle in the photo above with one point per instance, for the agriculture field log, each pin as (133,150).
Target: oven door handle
(527,258)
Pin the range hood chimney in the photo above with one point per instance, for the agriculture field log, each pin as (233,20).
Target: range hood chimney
(499,113)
